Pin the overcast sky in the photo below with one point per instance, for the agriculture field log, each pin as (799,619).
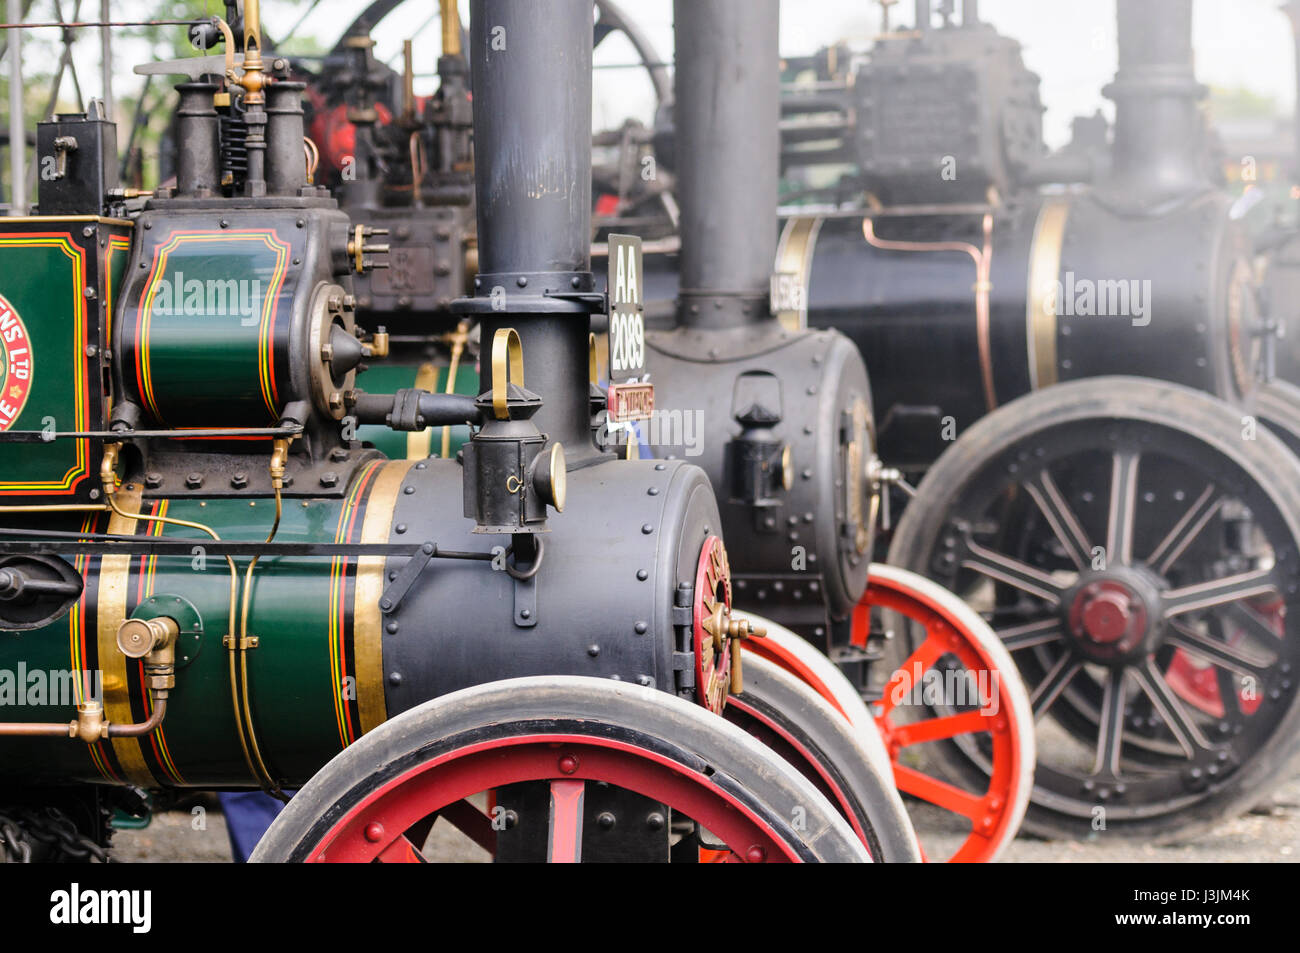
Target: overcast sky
(1069,43)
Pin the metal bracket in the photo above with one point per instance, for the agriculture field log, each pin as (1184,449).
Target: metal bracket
(526,602)
(397,589)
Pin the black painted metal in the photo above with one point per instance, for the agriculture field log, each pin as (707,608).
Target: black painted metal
(727,95)
(756,405)
(197,172)
(286,165)
(532,132)
(1159,139)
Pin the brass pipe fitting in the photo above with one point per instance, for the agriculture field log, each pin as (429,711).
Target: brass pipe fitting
(108,468)
(153,640)
(279,461)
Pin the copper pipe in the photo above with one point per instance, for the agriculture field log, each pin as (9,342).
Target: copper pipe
(144,727)
(69,729)
(983,259)
(38,729)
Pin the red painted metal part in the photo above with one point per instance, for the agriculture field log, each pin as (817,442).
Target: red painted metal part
(565,839)
(989,813)
(1197,682)
(712,588)
(373,829)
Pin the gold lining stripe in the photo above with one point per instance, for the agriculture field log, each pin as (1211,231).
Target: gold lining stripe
(794,254)
(114,577)
(367,633)
(420,443)
(1044,272)
(46,219)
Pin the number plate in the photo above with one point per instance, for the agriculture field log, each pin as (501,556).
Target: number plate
(631,402)
(626,309)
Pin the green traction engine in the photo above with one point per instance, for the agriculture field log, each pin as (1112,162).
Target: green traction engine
(209,580)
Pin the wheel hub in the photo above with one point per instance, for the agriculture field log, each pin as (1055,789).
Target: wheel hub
(1111,616)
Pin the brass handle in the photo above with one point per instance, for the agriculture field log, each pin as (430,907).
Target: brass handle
(507,366)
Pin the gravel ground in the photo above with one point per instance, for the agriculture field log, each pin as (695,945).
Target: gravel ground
(1269,833)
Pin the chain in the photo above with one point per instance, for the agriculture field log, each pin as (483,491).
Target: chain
(49,833)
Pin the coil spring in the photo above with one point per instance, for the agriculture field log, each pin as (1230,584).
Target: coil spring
(234,149)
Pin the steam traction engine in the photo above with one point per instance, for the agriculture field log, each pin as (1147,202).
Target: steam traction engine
(187,514)
(787,436)
(1133,543)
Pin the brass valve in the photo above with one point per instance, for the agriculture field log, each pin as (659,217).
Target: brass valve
(91,725)
(153,640)
(724,628)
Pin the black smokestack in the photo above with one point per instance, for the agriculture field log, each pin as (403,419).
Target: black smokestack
(531,73)
(727,106)
(1159,148)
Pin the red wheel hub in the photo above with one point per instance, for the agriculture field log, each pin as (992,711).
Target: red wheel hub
(1107,613)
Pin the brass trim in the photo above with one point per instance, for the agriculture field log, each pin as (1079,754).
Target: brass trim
(419,444)
(450,16)
(507,368)
(794,254)
(114,581)
(1044,272)
(47,219)
(368,622)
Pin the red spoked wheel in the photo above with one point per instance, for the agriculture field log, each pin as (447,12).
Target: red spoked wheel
(956,685)
(798,723)
(379,799)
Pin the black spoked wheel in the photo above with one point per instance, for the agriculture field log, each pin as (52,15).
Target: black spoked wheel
(1136,547)
(577,740)
(798,724)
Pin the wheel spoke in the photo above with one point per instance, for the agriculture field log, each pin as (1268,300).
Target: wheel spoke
(1219,653)
(1064,523)
(941,793)
(471,822)
(1170,707)
(1217,592)
(1186,530)
(1229,694)
(1110,727)
(1123,507)
(1049,689)
(1013,572)
(1042,632)
(1253,625)
(936,729)
(401,851)
(565,841)
(909,674)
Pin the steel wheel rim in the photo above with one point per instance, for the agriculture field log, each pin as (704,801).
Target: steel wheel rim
(995,814)
(566,760)
(1129,443)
